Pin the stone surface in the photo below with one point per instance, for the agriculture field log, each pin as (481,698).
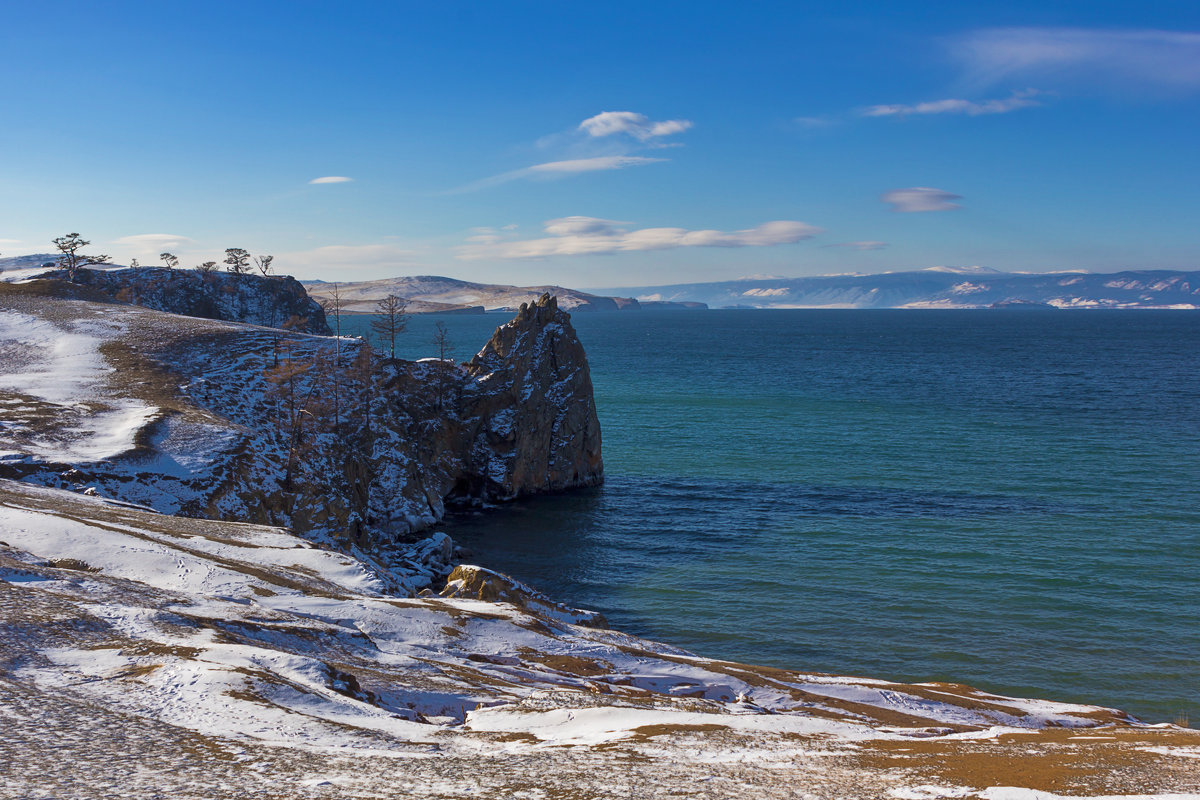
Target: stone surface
(532,391)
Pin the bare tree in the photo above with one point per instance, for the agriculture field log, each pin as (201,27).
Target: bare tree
(332,306)
(442,377)
(71,260)
(206,267)
(392,320)
(170,260)
(264,264)
(238,260)
(133,264)
(441,340)
(292,401)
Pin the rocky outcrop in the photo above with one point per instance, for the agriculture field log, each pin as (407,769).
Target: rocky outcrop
(318,434)
(532,392)
(274,301)
(479,583)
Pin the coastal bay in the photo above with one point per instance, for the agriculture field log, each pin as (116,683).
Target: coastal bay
(1002,499)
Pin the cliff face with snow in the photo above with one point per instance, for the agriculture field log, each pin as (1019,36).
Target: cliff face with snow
(274,301)
(532,393)
(318,434)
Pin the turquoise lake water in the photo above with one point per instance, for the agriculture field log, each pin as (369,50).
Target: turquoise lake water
(1001,498)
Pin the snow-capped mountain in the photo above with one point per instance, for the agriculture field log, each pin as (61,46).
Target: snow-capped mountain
(941,287)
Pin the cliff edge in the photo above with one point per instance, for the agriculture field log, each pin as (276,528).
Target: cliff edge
(318,434)
(276,301)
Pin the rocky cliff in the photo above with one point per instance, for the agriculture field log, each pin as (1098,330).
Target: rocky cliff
(532,393)
(315,433)
(274,301)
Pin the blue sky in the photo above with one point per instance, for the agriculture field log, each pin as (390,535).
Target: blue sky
(606,145)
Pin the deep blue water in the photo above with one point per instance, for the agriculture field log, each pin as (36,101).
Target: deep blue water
(1002,498)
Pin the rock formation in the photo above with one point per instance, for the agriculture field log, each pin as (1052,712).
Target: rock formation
(532,392)
(315,433)
(274,301)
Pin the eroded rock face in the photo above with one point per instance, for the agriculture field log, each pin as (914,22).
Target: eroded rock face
(532,392)
(274,301)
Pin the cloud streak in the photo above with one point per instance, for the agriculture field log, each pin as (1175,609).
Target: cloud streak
(151,242)
(1017,100)
(917,199)
(860,245)
(639,126)
(1132,57)
(570,236)
(331,179)
(559,169)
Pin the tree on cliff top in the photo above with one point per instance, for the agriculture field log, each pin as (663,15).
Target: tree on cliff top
(392,320)
(238,260)
(71,260)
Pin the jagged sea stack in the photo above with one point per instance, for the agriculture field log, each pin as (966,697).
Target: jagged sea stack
(533,390)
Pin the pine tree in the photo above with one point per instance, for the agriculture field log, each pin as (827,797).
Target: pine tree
(238,260)
(71,260)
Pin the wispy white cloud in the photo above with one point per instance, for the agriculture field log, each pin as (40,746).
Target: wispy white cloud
(1131,57)
(860,245)
(341,256)
(1025,98)
(10,241)
(815,122)
(153,242)
(576,165)
(332,179)
(639,126)
(558,169)
(590,235)
(921,198)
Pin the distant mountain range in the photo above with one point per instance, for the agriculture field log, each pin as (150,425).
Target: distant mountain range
(941,287)
(432,294)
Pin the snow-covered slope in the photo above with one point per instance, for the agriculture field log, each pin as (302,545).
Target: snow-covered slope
(941,287)
(427,293)
(271,654)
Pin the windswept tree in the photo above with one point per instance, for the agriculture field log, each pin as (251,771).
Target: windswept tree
(263,263)
(71,260)
(134,264)
(170,260)
(207,267)
(238,260)
(391,321)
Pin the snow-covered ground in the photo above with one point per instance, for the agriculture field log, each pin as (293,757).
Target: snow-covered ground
(58,370)
(249,638)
